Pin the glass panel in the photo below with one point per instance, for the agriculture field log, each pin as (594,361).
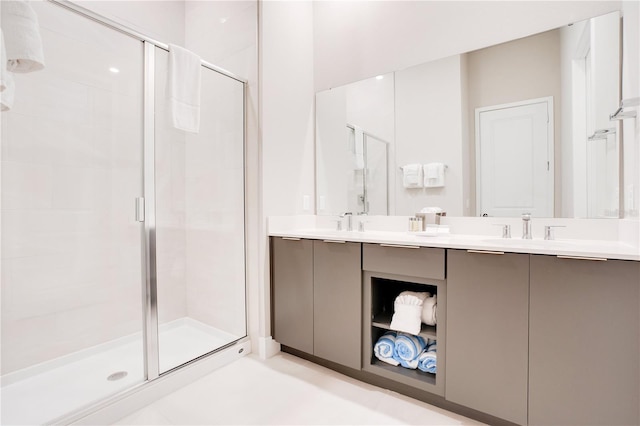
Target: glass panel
(71,247)
(376,162)
(200,222)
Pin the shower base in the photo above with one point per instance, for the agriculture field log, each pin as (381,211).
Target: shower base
(39,394)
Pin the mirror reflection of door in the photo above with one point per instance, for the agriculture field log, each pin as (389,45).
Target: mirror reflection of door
(514,155)
(596,74)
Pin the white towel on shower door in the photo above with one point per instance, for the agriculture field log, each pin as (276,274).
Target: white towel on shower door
(184,88)
(6,80)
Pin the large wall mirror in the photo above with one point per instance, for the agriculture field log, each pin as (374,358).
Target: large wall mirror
(522,126)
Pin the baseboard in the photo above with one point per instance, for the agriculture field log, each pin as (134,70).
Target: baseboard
(267,347)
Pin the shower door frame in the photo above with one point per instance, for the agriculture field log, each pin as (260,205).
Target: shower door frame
(148,218)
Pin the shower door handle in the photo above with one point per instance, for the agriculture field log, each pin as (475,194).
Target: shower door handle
(140,209)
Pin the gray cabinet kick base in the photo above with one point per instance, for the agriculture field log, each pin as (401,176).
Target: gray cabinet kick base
(395,386)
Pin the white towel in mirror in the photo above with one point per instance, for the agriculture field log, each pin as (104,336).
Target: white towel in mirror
(434,175)
(412,176)
(21,37)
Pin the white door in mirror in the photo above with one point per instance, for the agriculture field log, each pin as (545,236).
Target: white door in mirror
(514,151)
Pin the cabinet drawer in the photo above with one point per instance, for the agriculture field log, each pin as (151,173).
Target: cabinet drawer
(414,262)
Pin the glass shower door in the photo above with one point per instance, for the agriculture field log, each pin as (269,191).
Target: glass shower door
(71,245)
(200,235)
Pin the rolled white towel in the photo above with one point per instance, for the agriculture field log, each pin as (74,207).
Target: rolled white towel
(22,37)
(385,347)
(407,312)
(407,350)
(429,308)
(427,361)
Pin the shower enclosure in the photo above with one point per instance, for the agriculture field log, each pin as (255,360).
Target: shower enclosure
(367,191)
(123,239)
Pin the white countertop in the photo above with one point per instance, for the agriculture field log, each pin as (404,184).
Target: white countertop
(603,249)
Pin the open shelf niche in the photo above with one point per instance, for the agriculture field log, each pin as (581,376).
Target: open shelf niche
(380,292)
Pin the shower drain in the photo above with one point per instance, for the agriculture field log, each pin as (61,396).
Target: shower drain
(117,376)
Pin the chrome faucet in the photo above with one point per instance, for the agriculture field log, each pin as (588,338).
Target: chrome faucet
(526,226)
(361,221)
(506,230)
(548,231)
(349,216)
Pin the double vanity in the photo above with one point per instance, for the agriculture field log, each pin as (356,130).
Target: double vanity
(528,331)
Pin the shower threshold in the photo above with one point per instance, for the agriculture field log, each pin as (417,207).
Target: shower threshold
(41,393)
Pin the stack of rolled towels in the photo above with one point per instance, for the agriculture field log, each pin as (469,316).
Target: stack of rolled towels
(411,309)
(406,350)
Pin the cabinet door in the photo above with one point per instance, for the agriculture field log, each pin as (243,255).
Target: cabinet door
(487,332)
(337,293)
(292,296)
(584,336)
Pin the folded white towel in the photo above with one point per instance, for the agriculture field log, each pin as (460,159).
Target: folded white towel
(184,88)
(407,312)
(411,176)
(22,37)
(412,297)
(429,307)
(6,80)
(434,175)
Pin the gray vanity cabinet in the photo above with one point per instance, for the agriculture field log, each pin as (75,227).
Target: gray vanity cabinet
(584,342)
(487,332)
(292,292)
(317,298)
(337,302)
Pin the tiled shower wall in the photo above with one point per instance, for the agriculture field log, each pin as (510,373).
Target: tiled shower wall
(71,169)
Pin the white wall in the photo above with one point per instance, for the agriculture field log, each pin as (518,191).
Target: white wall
(287,119)
(429,124)
(287,108)
(162,20)
(374,37)
(573,157)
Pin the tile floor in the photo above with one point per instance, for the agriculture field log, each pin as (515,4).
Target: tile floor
(287,390)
